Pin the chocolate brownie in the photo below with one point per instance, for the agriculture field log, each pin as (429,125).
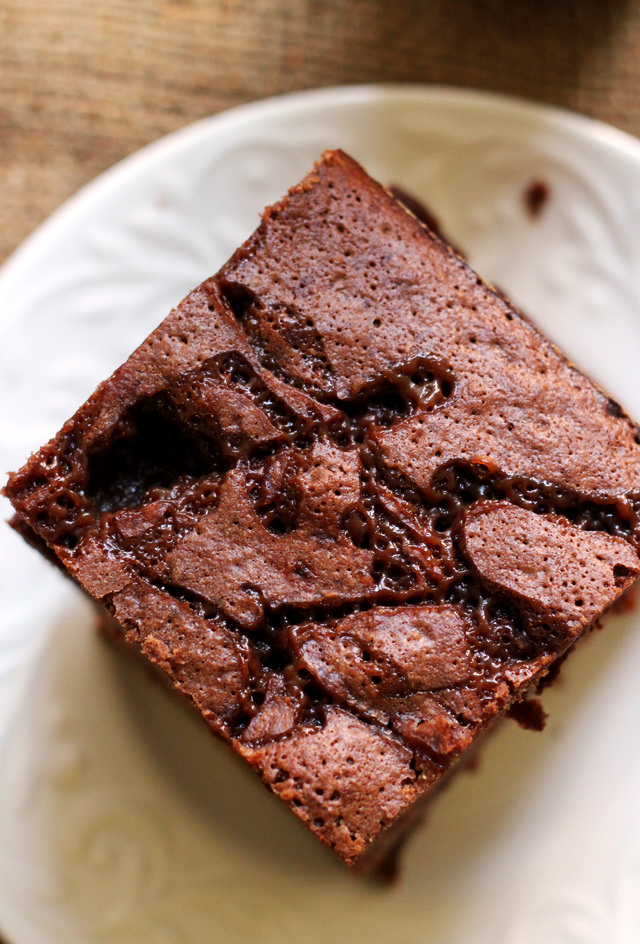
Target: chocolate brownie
(349,500)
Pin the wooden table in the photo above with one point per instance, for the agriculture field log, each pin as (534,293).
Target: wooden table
(84,84)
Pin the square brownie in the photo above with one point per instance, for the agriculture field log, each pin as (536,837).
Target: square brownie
(351,502)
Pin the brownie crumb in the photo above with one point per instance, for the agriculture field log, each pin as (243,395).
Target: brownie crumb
(529,714)
(535,197)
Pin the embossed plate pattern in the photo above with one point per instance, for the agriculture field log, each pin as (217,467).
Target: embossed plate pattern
(121,819)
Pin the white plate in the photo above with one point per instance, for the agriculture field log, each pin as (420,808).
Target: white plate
(121,819)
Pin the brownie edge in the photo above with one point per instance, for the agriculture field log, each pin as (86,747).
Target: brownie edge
(349,500)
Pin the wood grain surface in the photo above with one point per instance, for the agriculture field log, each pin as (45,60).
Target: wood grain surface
(84,84)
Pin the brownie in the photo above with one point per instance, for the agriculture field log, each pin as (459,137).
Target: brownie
(351,502)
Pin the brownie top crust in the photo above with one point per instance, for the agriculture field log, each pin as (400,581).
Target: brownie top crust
(348,499)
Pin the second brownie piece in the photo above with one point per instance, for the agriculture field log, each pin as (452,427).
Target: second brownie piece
(349,501)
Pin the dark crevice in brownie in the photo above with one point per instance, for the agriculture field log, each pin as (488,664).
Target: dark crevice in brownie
(275,497)
(460,484)
(419,383)
(149,449)
(504,631)
(146,532)
(285,343)
(212,398)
